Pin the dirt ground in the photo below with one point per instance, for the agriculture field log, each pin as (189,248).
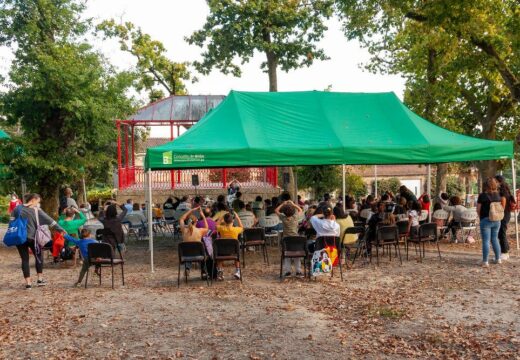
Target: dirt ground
(435,309)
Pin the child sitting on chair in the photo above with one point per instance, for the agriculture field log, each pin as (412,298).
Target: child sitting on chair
(83,248)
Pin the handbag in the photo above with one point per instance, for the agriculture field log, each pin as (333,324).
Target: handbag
(321,264)
(16,233)
(43,234)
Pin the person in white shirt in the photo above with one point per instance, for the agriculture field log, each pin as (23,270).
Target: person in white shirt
(185,204)
(325,224)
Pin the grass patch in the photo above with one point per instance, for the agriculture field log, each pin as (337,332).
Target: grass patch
(388,312)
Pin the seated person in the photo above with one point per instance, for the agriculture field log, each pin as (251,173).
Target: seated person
(70,223)
(413,218)
(221,210)
(456,209)
(325,224)
(82,244)
(258,207)
(227,231)
(192,233)
(211,224)
(289,214)
(344,221)
(184,204)
(373,222)
(243,213)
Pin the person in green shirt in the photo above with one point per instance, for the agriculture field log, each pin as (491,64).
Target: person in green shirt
(70,224)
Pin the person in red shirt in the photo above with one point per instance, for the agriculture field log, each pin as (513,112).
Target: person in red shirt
(14,202)
(424,200)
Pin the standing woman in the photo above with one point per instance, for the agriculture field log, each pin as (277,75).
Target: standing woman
(489,229)
(29,211)
(506,195)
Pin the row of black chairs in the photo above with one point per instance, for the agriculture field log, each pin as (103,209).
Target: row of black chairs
(394,235)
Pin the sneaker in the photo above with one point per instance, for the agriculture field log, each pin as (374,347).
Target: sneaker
(499,261)
(299,274)
(504,256)
(237,275)
(28,287)
(288,273)
(220,275)
(76,285)
(484,264)
(41,283)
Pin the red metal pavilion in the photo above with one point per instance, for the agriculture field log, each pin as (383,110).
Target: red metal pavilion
(176,112)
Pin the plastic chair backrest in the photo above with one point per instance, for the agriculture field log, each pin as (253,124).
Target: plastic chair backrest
(469,216)
(134,220)
(323,241)
(191,248)
(428,230)
(269,221)
(294,243)
(402,226)
(252,233)
(100,250)
(386,233)
(355,230)
(247,221)
(440,215)
(226,247)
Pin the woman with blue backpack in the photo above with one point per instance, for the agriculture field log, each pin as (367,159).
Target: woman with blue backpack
(31,214)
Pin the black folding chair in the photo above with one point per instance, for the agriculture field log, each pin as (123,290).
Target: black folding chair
(294,247)
(402,231)
(102,255)
(254,237)
(226,250)
(324,241)
(191,252)
(108,237)
(427,233)
(387,236)
(356,230)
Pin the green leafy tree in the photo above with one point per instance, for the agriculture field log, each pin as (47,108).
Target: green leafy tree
(460,60)
(320,179)
(390,184)
(154,70)
(285,31)
(63,96)
(355,186)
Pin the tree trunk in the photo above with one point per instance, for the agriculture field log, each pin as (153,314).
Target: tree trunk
(50,200)
(441,178)
(272,67)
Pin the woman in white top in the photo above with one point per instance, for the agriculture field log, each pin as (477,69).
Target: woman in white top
(413,218)
(325,224)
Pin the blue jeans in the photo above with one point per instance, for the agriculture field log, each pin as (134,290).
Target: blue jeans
(489,230)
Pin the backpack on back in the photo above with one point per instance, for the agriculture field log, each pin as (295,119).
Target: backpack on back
(496,210)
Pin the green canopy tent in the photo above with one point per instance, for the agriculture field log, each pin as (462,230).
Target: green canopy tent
(4,135)
(316,128)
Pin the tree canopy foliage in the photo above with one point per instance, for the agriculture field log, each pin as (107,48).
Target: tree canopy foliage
(154,70)
(286,31)
(63,95)
(320,179)
(460,58)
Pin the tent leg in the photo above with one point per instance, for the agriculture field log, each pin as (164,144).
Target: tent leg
(344,194)
(375,181)
(150,217)
(513,173)
(429,190)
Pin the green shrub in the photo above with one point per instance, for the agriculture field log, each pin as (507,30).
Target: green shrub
(4,207)
(454,186)
(384,185)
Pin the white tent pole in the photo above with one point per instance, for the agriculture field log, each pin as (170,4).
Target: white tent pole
(150,217)
(375,180)
(84,192)
(344,188)
(429,190)
(513,173)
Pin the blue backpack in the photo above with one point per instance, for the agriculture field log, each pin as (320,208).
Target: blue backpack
(17,230)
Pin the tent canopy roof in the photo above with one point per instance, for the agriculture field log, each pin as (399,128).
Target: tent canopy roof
(4,135)
(317,128)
